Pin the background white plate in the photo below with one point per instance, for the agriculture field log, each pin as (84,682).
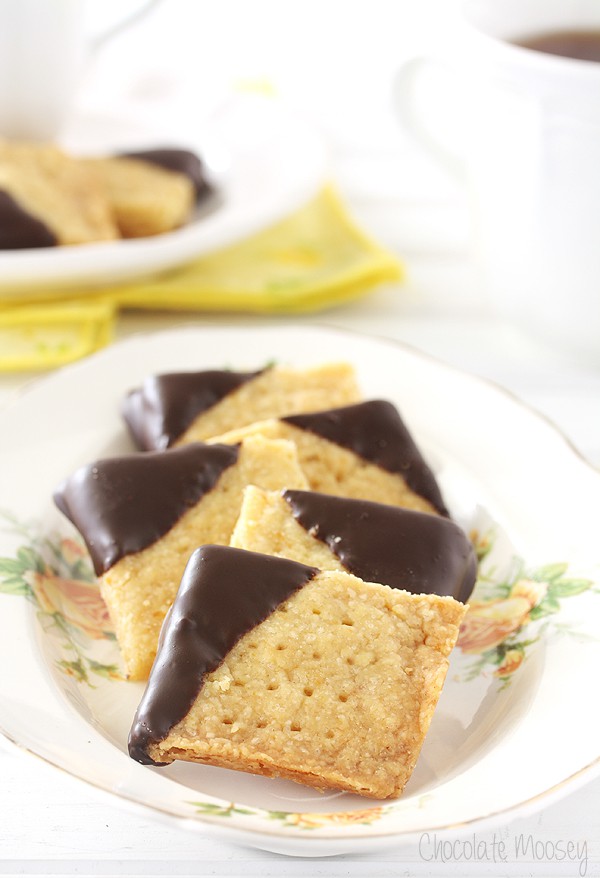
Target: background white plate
(264,160)
(517,723)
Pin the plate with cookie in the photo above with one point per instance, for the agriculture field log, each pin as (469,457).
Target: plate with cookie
(308,589)
(85,217)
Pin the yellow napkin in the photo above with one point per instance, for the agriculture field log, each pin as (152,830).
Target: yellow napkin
(313,259)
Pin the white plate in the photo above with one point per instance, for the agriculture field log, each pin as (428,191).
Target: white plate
(265,163)
(517,723)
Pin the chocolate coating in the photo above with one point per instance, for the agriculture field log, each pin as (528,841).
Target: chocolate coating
(20,230)
(182,161)
(375,431)
(224,593)
(420,553)
(122,505)
(161,410)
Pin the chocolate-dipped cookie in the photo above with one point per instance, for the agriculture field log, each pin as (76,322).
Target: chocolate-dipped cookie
(142,516)
(181,407)
(364,451)
(415,551)
(49,198)
(276,668)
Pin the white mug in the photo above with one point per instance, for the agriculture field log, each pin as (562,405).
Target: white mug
(531,160)
(43,48)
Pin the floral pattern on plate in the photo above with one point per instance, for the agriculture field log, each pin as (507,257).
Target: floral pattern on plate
(499,626)
(55,573)
(301,820)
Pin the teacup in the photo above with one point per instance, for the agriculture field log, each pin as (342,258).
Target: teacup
(43,48)
(531,159)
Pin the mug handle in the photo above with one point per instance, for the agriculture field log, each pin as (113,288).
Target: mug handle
(99,41)
(406,104)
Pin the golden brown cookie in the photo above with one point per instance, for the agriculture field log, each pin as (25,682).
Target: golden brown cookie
(143,515)
(276,668)
(182,407)
(363,451)
(146,199)
(48,198)
(415,551)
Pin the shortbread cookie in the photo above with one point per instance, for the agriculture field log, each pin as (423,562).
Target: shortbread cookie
(182,407)
(363,451)
(48,198)
(276,668)
(146,198)
(141,517)
(415,551)
(179,161)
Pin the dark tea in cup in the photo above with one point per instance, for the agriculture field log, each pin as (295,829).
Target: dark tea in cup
(583,45)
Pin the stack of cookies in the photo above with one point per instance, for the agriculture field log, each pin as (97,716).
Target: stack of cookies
(50,198)
(279,562)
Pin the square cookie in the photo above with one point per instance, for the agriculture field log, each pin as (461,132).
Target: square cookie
(48,198)
(415,551)
(180,407)
(364,451)
(276,668)
(145,199)
(142,516)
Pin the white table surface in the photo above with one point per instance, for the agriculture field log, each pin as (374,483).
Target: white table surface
(51,824)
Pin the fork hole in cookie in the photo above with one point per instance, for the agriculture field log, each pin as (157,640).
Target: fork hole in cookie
(272,686)
(348,622)
(343,698)
(308,691)
(295,728)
